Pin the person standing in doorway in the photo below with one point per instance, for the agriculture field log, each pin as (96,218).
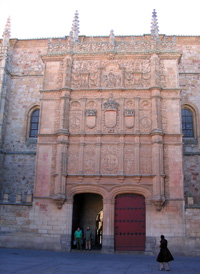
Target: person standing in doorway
(78,238)
(88,238)
(164,255)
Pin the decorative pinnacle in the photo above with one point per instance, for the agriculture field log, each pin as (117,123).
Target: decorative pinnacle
(6,37)
(112,37)
(75,28)
(154,25)
(7,29)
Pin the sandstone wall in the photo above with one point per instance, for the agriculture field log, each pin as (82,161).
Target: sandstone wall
(26,71)
(189,76)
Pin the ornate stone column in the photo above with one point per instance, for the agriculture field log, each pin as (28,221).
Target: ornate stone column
(157,149)
(66,239)
(108,226)
(59,195)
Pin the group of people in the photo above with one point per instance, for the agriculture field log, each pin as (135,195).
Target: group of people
(78,238)
(164,256)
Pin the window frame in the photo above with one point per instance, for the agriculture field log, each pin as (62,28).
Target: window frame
(29,117)
(194,122)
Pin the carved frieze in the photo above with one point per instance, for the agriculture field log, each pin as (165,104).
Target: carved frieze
(111,74)
(144,45)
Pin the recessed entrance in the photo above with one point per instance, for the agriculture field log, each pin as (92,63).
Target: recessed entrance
(129,222)
(88,211)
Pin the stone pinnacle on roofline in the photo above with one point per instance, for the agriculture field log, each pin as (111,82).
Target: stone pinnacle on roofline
(6,36)
(7,30)
(75,28)
(154,25)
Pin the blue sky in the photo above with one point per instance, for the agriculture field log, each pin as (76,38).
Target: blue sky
(47,18)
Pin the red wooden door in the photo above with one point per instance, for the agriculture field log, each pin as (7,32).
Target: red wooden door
(130,222)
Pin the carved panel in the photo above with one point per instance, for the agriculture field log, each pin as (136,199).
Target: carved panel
(75,105)
(60,75)
(145,159)
(57,116)
(111,76)
(110,159)
(75,121)
(129,159)
(89,159)
(145,104)
(137,73)
(85,74)
(164,118)
(73,159)
(166,171)
(110,116)
(129,118)
(91,118)
(53,169)
(129,104)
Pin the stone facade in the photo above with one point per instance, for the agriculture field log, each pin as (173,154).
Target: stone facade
(110,124)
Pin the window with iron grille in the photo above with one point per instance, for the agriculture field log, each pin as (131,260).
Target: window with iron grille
(34,123)
(187,123)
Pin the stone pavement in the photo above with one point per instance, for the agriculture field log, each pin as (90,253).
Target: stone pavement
(21,261)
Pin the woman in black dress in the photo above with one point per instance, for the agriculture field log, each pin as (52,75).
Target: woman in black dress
(164,255)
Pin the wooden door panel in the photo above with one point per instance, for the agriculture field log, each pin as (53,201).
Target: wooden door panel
(130,222)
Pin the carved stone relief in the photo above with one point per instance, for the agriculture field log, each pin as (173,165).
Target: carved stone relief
(145,159)
(53,169)
(89,159)
(57,117)
(73,159)
(74,121)
(129,159)
(145,116)
(129,118)
(111,115)
(91,118)
(85,74)
(109,159)
(60,75)
(145,123)
(111,76)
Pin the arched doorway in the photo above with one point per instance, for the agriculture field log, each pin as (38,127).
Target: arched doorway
(87,211)
(130,222)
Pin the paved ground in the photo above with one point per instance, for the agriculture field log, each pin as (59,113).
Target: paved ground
(23,261)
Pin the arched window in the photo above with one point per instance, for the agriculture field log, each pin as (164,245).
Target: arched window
(187,123)
(34,123)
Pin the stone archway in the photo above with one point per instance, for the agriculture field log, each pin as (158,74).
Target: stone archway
(86,207)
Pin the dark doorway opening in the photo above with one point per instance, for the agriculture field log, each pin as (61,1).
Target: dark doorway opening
(87,211)
(130,222)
